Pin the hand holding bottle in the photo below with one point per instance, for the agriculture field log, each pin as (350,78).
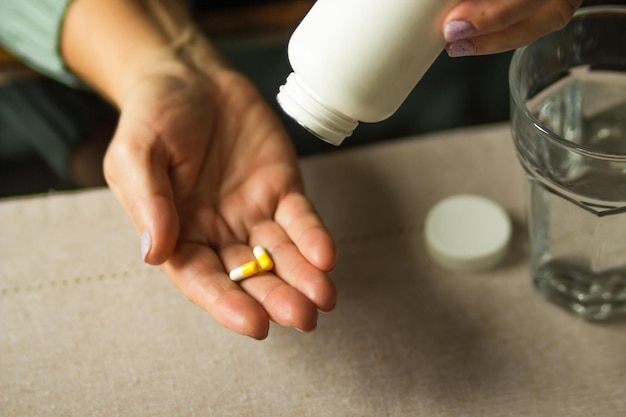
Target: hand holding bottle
(482,27)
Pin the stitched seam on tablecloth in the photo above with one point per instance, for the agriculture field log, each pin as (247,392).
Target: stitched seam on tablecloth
(73,281)
(126,274)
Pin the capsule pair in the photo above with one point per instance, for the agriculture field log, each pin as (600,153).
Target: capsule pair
(263,263)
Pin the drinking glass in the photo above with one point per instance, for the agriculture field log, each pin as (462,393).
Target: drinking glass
(568,121)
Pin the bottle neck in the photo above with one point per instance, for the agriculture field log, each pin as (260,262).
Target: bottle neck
(301,104)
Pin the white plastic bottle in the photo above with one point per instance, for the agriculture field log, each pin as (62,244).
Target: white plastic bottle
(358,60)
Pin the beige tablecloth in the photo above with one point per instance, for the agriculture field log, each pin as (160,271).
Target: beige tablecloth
(88,330)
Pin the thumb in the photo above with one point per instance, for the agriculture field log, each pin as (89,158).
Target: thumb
(136,170)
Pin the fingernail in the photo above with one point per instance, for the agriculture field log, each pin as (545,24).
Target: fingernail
(146,244)
(306,331)
(461,48)
(457,30)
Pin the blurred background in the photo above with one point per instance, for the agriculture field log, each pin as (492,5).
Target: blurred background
(253,36)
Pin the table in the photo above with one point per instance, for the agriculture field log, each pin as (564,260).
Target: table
(88,330)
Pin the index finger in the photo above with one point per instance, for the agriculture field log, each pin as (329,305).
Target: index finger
(480,17)
(500,29)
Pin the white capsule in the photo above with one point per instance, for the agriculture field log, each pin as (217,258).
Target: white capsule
(244,271)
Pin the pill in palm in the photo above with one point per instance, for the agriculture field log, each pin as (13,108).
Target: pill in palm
(244,271)
(263,258)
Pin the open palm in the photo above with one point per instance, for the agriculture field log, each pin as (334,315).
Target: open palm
(205,171)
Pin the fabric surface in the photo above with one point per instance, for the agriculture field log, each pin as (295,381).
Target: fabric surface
(88,330)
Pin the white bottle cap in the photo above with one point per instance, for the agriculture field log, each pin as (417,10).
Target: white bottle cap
(467,232)
(307,109)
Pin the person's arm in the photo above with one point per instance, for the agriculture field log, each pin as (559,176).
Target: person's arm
(202,166)
(110,44)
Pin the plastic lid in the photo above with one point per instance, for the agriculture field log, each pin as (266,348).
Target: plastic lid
(467,232)
(306,108)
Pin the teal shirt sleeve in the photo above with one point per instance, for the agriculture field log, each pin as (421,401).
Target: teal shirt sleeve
(31,30)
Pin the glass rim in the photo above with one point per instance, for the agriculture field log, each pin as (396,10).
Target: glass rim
(518,102)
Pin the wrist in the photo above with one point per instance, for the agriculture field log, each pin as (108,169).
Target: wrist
(156,37)
(186,57)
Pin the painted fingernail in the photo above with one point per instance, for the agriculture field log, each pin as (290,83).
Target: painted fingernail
(146,244)
(461,48)
(457,30)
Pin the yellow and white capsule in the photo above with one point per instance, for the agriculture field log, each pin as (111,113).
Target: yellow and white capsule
(244,271)
(263,258)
